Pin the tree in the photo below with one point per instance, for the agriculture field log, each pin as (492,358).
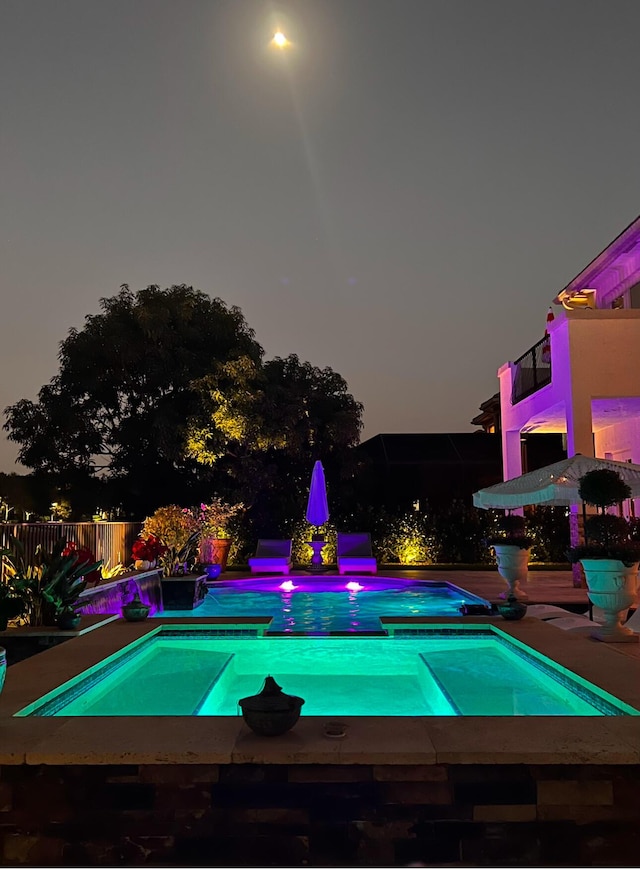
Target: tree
(120,403)
(164,397)
(263,427)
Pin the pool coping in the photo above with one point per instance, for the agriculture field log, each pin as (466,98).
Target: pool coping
(369,739)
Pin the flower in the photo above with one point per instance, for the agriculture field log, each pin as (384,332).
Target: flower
(83,556)
(177,530)
(171,525)
(147,549)
(214,518)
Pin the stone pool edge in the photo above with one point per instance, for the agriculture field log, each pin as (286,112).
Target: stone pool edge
(416,740)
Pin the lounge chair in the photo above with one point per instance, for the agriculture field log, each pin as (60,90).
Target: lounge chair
(272,557)
(354,554)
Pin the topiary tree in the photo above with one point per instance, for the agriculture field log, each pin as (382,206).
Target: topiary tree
(607,536)
(602,488)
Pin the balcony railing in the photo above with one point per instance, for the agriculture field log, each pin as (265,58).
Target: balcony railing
(532,370)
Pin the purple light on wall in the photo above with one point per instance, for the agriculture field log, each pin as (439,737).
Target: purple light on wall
(113,596)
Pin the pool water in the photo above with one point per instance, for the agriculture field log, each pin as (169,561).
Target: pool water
(322,605)
(444,671)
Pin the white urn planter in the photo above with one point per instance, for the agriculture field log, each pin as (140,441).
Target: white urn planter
(513,566)
(612,587)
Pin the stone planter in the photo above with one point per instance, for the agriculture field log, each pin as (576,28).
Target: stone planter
(183,593)
(215,551)
(513,562)
(612,587)
(136,610)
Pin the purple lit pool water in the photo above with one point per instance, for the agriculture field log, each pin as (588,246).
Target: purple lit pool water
(324,604)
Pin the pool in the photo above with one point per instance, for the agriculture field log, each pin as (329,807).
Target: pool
(324,604)
(444,670)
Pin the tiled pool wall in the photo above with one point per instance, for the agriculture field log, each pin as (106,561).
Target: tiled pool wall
(319,815)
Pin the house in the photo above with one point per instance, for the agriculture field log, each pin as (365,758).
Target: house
(582,378)
(537,449)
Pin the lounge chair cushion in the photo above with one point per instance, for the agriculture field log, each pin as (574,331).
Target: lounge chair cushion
(272,556)
(354,554)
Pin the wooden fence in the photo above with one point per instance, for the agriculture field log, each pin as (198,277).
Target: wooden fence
(110,542)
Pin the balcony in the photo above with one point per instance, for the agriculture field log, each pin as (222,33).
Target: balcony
(531,371)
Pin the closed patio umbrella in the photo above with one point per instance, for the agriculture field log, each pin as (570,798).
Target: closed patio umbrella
(555,484)
(317,507)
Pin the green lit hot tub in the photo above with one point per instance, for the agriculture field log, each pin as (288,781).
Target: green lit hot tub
(440,671)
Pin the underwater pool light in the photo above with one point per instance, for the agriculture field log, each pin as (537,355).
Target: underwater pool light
(354,586)
(288,586)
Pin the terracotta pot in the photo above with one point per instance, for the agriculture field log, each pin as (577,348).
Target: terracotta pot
(215,551)
(612,587)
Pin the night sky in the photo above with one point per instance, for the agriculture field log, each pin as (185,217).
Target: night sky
(399,195)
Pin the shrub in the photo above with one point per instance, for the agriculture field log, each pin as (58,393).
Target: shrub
(405,539)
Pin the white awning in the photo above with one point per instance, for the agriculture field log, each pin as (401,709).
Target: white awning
(555,484)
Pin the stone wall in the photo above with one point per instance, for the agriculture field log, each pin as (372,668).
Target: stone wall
(320,815)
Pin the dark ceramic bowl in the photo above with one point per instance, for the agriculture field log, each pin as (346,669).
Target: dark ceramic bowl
(512,609)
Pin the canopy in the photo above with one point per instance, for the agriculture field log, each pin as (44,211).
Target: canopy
(555,484)
(317,507)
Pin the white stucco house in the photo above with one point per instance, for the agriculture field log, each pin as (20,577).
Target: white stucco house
(583,378)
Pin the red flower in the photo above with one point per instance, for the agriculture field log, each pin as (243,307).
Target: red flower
(147,549)
(83,556)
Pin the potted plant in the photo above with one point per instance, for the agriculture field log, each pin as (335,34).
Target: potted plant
(178,531)
(609,557)
(67,576)
(146,552)
(49,585)
(214,521)
(512,548)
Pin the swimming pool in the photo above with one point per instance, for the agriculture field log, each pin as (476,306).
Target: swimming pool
(434,671)
(324,604)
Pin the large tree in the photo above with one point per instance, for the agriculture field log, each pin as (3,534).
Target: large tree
(120,403)
(166,396)
(263,426)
